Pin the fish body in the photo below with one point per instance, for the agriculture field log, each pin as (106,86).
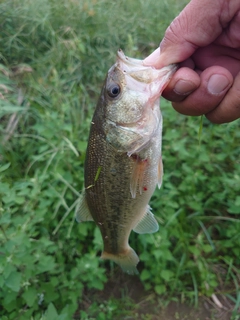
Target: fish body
(123,161)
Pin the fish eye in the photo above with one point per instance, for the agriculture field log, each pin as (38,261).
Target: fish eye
(114,90)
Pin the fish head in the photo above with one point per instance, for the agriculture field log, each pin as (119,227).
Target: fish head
(131,101)
(124,99)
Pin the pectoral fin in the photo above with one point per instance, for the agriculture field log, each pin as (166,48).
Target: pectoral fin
(137,177)
(82,212)
(160,172)
(148,224)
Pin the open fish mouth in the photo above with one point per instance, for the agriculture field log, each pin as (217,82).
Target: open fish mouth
(144,78)
(134,68)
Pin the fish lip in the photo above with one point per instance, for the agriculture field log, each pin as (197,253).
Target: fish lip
(130,61)
(130,66)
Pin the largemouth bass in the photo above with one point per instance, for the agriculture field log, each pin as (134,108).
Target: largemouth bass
(123,160)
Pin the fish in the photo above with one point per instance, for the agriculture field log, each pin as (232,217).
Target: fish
(123,163)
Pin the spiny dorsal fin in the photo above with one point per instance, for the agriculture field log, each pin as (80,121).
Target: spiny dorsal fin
(82,212)
(148,224)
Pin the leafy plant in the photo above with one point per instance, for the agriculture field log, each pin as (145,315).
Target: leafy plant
(54,56)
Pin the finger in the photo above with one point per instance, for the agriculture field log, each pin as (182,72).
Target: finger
(213,54)
(184,82)
(229,108)
(215,82)
(199,24)
(230,36)
(193,28)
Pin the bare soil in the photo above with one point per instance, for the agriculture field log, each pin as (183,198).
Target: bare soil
(146,305)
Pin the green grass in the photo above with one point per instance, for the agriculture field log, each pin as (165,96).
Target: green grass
(53,59)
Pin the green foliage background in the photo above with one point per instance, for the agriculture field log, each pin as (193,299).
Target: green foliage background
(54,56)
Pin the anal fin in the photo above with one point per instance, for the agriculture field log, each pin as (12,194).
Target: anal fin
(82,210)
(148,224)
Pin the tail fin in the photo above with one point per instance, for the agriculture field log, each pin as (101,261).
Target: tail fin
(127,261)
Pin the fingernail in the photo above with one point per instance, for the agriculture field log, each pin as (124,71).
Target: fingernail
(217,83)
(183,87)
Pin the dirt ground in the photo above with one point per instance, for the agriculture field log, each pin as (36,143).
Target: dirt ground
(148,306)
(205,311)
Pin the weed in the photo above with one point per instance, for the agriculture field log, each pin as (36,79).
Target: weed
(54,56)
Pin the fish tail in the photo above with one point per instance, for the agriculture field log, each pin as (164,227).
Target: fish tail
(127,261)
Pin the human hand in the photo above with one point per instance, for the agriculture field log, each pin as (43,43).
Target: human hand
(205,40)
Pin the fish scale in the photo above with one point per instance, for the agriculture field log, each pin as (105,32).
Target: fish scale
(123,159)
(104,202)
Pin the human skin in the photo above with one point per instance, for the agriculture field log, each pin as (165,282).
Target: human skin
(205,40)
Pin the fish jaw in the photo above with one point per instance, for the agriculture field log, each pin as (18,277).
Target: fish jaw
(144,78)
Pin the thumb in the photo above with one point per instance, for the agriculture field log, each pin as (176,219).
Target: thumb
(198,25)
